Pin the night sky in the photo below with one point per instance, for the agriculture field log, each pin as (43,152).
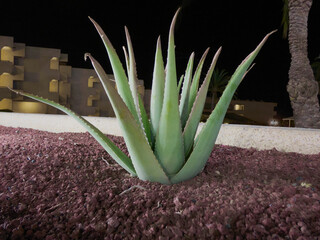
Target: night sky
(237,26)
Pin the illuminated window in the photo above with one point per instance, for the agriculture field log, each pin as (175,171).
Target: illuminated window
(29,107)
(238,107)
(54,63)
(91,98)
(6,80)
(7,54)
(92,80)
(54,85)
(6,104)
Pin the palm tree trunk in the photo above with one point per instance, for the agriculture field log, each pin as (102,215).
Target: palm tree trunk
(214,99)
(302,87)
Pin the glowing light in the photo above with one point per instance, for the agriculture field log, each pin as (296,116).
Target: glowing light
(238,107)
(7,54)
(29,107)
(6,80)
(54,85)
(91,98)
(6,104)
(54,63)
(92,80)
(273,122)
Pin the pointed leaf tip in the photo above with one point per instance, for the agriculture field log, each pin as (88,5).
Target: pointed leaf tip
(86,56)
(159,42)
(99,29)
(91,19)
(174,20)
(177,12)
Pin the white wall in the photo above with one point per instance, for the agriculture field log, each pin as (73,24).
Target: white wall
(298,140)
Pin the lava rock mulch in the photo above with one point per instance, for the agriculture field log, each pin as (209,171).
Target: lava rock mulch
(65,186)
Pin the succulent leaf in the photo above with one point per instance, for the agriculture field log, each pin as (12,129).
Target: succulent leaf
(184,101)
(132,73)
(126,57)
(197,109)
(145,121)
(144,161)
(169,142)
(122,159)
(157,91)
(195,80)
(160,150)
(133,82)
(180,82)
(207,137)
(118,71)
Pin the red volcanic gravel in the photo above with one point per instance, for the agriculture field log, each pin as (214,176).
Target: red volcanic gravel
(65,186)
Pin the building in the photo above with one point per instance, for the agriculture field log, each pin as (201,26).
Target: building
(261,112)
(45,72)
(248,112)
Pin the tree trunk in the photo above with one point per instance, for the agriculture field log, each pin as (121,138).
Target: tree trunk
(302,87)
(214,99)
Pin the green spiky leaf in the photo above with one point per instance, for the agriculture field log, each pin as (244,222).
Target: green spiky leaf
(118,71)
(207,137)
(169,142)
(195,81)
(184,101)
(157,91)
(146,165)
(197,109)
(160,151)
(104,141)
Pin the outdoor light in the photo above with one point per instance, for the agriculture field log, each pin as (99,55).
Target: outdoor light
(238,107)
(273,122)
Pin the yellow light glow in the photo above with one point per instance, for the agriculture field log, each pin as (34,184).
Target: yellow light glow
(6,104)
(54,85)
(6,80)
(91,98)
(54,63)
(92,80)
(7,54)
(238,107)
(29,107)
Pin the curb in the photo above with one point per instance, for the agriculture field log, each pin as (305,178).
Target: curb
(299,140)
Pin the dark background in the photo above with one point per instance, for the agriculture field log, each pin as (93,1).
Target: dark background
(237,26)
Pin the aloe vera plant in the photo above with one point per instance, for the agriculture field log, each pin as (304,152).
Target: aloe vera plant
(164,148)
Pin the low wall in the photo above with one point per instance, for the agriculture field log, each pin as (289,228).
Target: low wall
(306,141)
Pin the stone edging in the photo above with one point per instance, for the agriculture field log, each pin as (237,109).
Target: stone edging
(306,141)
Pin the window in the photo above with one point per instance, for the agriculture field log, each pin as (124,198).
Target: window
(6,104)
(92,80)
(29,107)
(54,63)
(90,100)
(7,54)
(238,107)
(6,80)
(54,86)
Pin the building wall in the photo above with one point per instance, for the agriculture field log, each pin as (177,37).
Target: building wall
(262,112)
(88,96)
(11,70)
(44,72)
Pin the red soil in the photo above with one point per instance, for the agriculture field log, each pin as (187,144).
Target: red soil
(60,186)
